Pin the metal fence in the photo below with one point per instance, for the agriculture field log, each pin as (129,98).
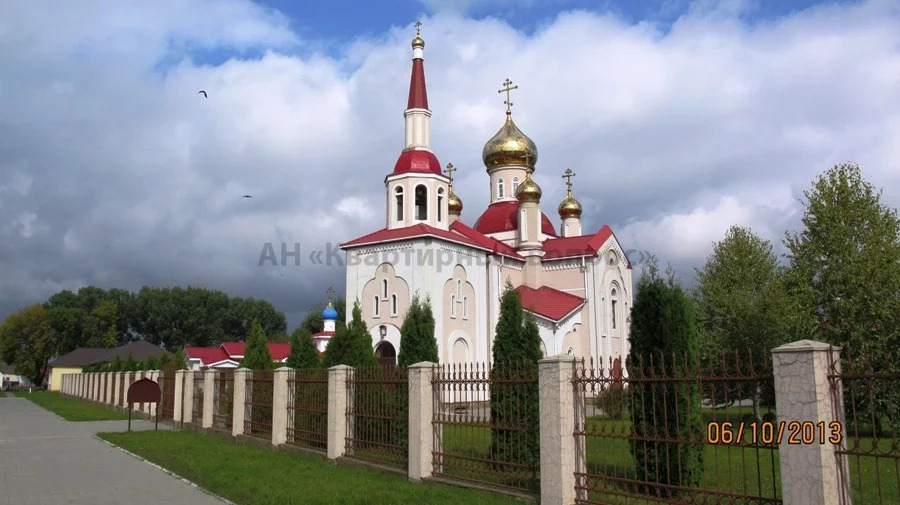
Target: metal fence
(378,415)
(669,428)
(486,424)
(197,405)
(223,399)
(307,406)
(258,404)
(167,405)
(865,396)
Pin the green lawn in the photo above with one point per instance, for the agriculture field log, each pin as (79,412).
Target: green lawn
(252,476)
(71,409)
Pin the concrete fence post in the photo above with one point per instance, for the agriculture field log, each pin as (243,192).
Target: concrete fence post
(139,407)
(187,408)
(557,413)
(280,405)
(107,387)
(337,410)
(237,405)
(96,386)
(179,383)
(209,391)
(150,408)
(127,379)
(116,380)
(810,473)
(421,413)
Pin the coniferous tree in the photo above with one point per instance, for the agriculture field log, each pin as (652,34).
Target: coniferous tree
(303,350)
(130,364)
(662,324)
(117,365)
(180,361)
(351,344)
(256,353)
(514,403)
(417,342)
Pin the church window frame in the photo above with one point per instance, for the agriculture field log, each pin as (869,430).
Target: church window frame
(394,304)
(515,185)
(523,225)
(613,302)
(499,188)
(452,306)
(420,197)
(465,304)
(375,307)
(398,202)
(384,289)
(440,205)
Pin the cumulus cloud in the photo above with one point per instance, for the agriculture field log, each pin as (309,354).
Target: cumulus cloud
(113,171)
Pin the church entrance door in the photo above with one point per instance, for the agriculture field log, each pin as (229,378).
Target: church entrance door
(386,354)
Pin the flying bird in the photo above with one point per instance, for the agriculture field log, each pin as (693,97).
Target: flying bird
(247,196)
(204,93)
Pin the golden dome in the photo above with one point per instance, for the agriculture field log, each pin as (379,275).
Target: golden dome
(418,42)
(509,147)
(569,207)
(528,191)
(454,204)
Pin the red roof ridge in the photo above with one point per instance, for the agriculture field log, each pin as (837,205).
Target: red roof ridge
(548,302)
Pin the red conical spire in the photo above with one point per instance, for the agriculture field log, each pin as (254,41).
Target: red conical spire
(418,97)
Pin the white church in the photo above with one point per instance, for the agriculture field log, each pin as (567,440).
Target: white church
(578,285)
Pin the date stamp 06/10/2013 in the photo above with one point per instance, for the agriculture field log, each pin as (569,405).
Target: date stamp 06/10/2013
(768,432)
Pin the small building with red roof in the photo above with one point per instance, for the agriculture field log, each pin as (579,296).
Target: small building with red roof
(229,355)
(578,284)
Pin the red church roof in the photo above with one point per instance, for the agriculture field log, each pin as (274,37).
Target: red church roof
(573,247)
(418,97)
(504,216)
(409,232)
(550,303)
(418,161)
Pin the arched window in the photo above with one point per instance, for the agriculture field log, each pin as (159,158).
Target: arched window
(421,202)
(453,306)
(398,197)
(440,205)
(375,307)
(465,307)
(613,300)
(523,225)
(393,305)
(384,288)
(458,288)
(515,185)
(500,188)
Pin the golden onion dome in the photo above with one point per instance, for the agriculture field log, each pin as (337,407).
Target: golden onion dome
(454,204)
(569,207)
(418,42)
(509,147)
(528,191)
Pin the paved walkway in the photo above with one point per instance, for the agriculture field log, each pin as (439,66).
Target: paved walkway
(45,460)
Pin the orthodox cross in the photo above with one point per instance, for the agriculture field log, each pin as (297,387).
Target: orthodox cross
(418,24)
(567,175)
(449,171)
(330,294)
(507,89)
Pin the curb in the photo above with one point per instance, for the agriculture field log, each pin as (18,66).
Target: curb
(164,470)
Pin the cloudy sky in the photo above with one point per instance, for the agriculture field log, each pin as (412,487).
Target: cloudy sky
(680,118)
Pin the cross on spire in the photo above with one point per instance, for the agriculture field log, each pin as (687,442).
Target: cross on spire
(507,88)
(418,26)
(449,171)
(567,175)
(330,294)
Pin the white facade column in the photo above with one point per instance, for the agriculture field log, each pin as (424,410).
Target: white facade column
(179,391)
(421,413)
(209,385)
(810,474)
(280,405)
(337,410)
(237,405)
(557,407)
(188,405)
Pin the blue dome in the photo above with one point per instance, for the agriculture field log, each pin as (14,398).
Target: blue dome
(329,314)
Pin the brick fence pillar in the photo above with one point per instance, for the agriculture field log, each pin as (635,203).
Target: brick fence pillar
(557,412)
(179,391)
(187,407)
(337,410)
(421,412)
(209,391)
(240,396)
(280,405)
(810,473)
